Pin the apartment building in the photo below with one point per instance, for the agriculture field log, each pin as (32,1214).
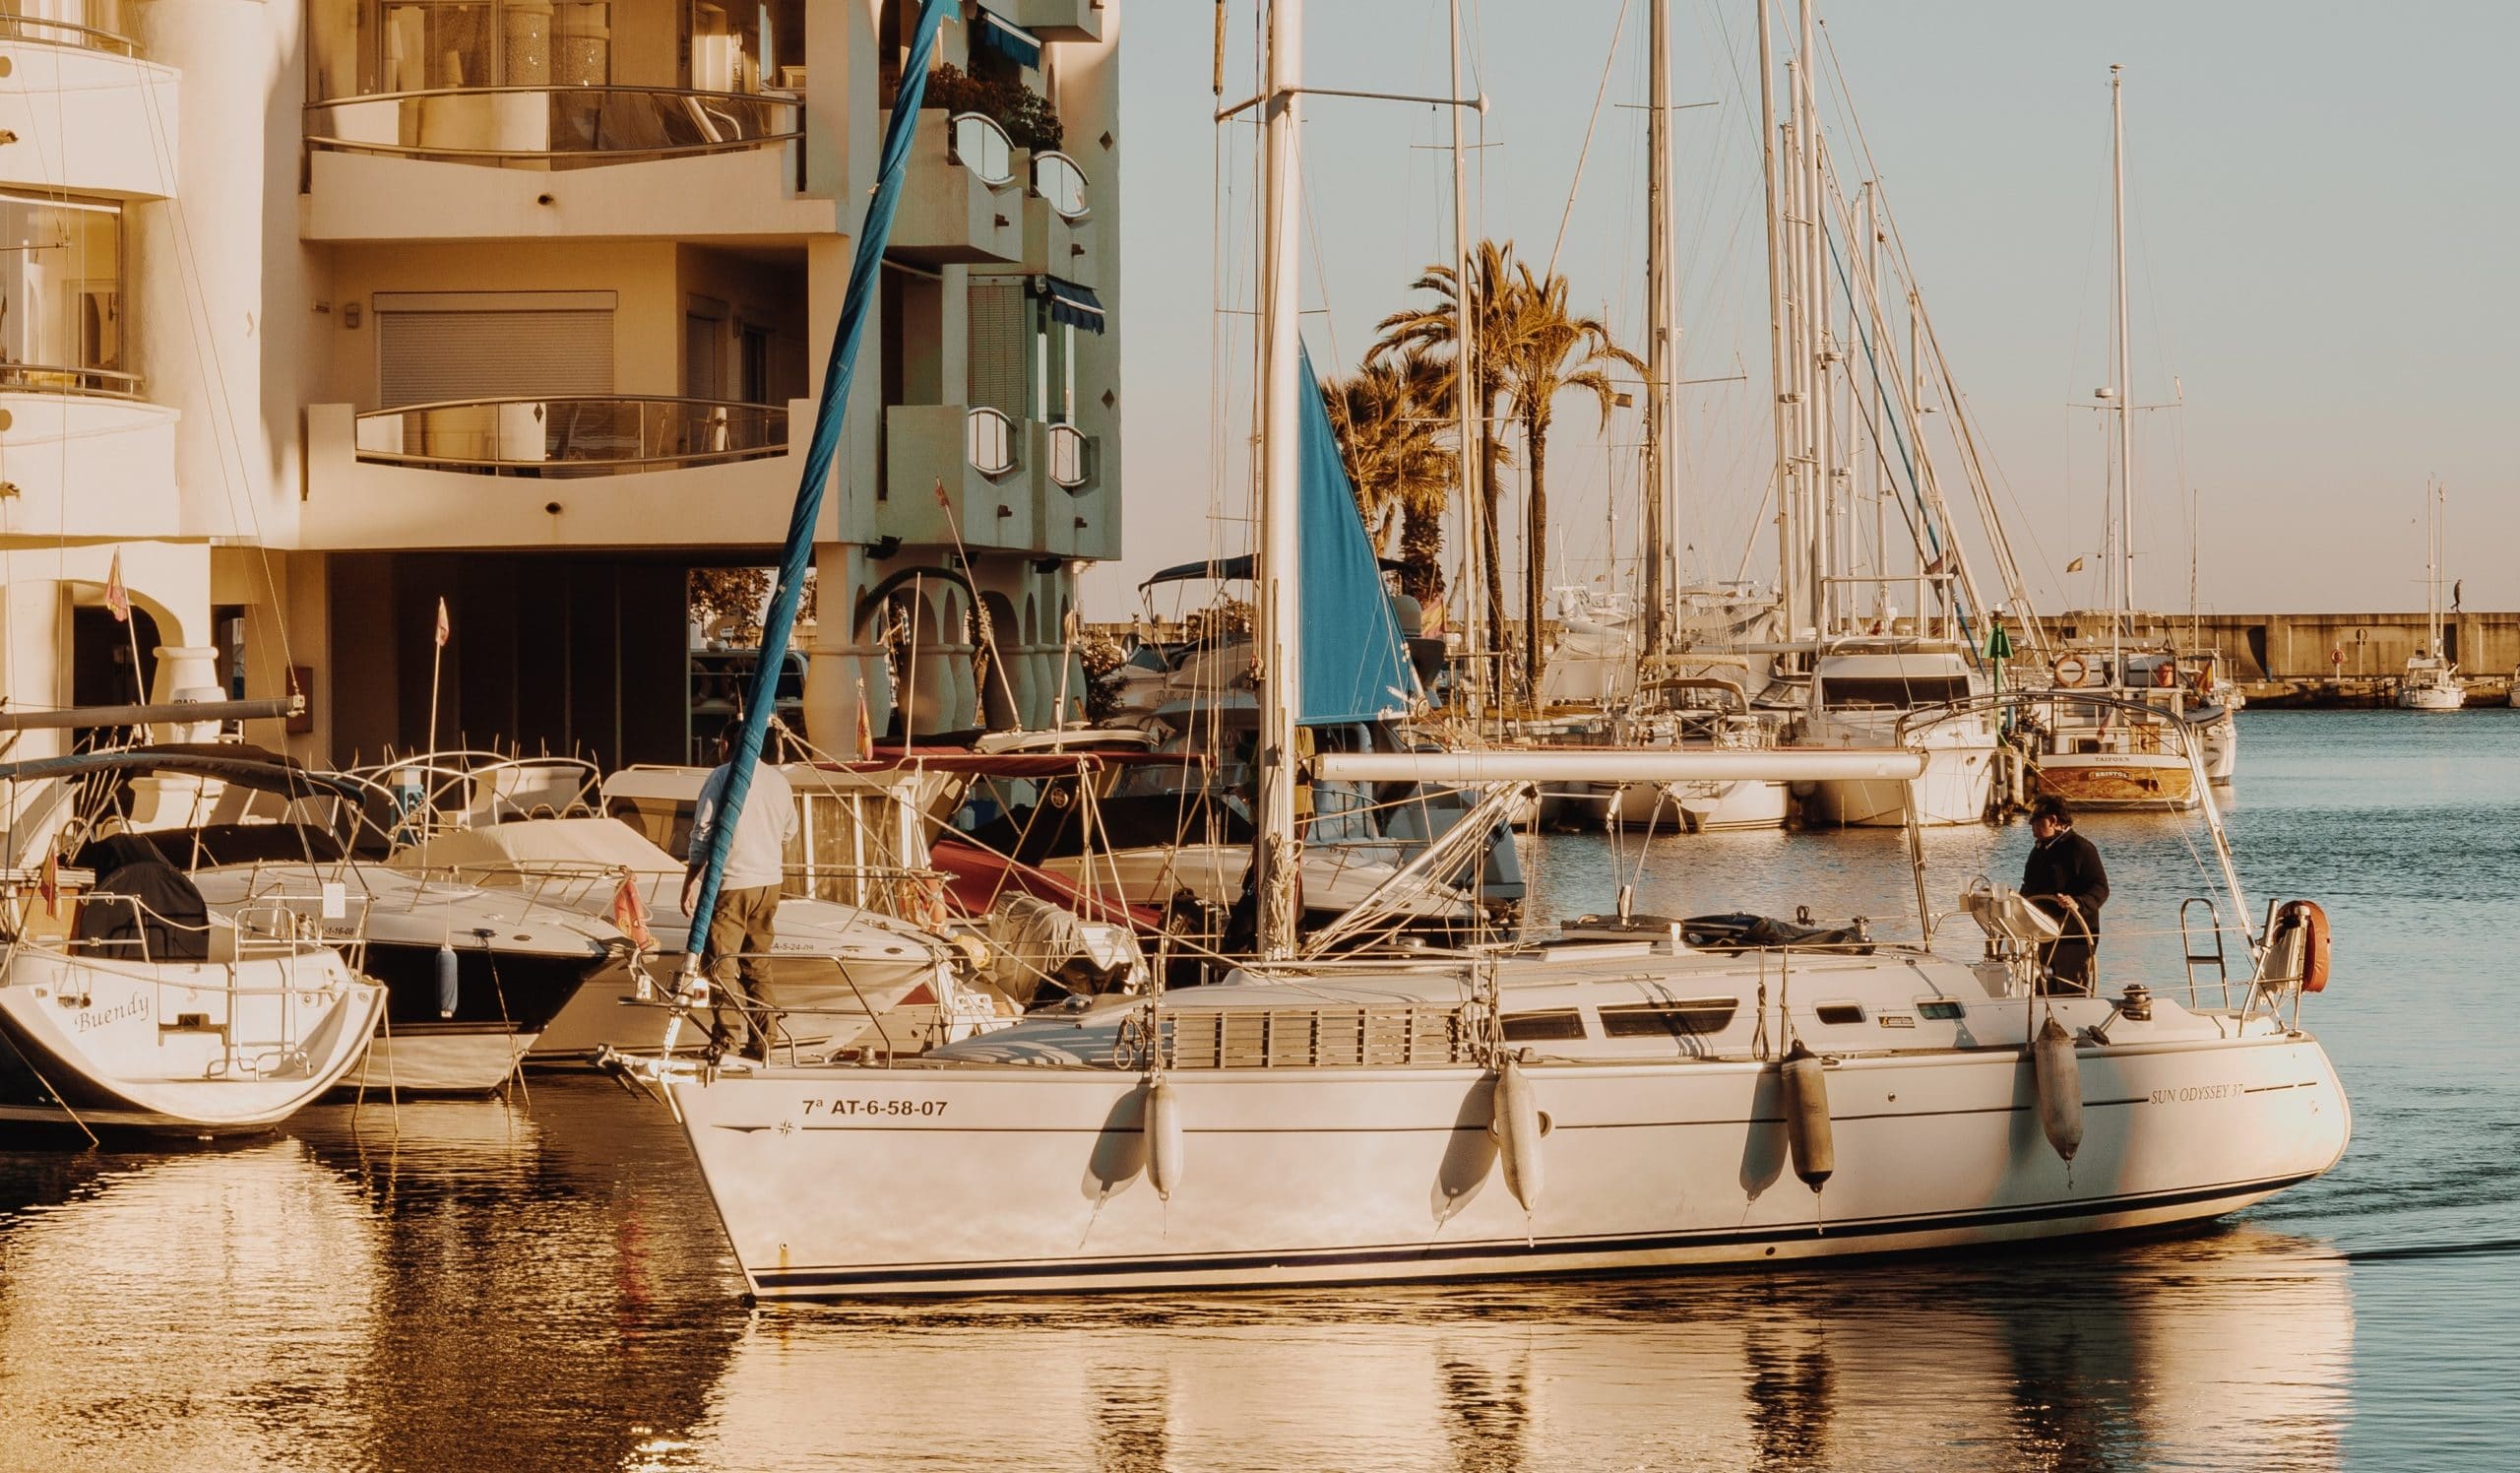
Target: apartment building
(316,312)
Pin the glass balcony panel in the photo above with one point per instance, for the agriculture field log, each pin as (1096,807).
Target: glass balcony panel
(561,437)
(574,127)
(1067,456)
(1056,179)
(61,296)
(982,145)
(989,442)
(96,24)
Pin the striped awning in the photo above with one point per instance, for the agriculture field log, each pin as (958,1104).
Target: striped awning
(1007,38)
(1075,305)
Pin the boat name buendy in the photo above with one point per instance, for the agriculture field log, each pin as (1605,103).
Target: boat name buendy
(135,1007)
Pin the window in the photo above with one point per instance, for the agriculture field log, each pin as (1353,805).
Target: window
(1530,1027)
(61,285)
(1893,691)
(1943,1009)
(1000,337)
(1840,1012)
(1689,1017)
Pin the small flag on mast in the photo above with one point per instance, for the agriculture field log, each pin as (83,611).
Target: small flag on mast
(117,597)
(2074,566)
(865,723)
(444,626)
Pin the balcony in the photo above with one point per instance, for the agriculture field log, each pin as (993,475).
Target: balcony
(1058,223)
(89,114)
(88,24)
(1055,20)
(498,163)
(82,456)
(1067,493)
(612,471)
(963,202)
(567,438)
(956,474)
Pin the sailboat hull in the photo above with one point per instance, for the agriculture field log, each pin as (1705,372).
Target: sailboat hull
(191,1048)
(1957,785)
(970,1180)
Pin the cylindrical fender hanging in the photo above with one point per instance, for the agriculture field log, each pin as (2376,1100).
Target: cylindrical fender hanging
(1162,1125)
(448,993)
(1804,1083)
(2058,1074)
(2165,676)
(2311,918)
(1518,1124)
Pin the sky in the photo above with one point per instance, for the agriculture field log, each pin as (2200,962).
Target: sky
(2320,219)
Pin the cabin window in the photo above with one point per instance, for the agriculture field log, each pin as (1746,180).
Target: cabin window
(1943,1010)
(1892,691)
(1530,1027)
(1690,1017)
(1841,1013)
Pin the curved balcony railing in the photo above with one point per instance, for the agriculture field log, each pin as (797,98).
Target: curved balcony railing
(988,441)
(613,436)
(1056,179)
(553,127)
(47,379)
(983,147)
(97,27)
(1069,456)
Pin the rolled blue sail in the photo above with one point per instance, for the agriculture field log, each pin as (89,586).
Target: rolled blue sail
(864,269)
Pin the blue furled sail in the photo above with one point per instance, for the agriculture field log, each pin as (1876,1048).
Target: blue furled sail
(864,271)
(1352,664)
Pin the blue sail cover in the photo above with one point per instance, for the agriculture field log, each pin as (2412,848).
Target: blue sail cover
(1353,668)
(778,621)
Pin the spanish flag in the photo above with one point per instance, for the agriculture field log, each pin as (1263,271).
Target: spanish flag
(117,597)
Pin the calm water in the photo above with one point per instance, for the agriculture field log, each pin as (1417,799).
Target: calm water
(542,1285)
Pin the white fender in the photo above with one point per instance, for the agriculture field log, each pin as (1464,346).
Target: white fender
(1804,1084)
(2060,1087)
(1162,1127)
(1518,1126)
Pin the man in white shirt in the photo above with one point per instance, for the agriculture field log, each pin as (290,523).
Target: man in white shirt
(741,929)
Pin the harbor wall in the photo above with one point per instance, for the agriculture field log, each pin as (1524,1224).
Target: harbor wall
(2290,647)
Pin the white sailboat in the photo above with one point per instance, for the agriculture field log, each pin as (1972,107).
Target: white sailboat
(2432,681)
(1556,1109)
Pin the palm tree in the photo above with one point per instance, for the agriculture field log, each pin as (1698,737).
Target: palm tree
(1428,335)
(1548,351)
(1390,433)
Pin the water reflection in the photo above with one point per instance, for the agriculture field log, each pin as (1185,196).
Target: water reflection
(2229,1349)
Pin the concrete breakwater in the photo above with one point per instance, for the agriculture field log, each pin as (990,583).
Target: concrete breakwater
(2334,658)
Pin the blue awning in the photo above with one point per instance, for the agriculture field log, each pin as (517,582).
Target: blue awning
(1007,38)
(1075,305)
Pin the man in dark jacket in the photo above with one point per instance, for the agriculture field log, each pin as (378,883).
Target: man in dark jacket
(2065,878)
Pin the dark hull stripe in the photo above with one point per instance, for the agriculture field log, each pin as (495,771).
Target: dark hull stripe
(1529,1257)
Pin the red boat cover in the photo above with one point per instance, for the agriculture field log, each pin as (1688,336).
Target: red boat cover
(979,876)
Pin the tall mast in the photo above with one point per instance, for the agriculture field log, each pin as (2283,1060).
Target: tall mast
(1662,340)
(1280,624)
(1780,369)
(2126,370)
(1466,407)
(1821,523)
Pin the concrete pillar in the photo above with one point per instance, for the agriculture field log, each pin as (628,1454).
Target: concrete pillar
(845,669)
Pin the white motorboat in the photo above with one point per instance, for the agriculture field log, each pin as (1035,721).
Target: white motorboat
(838,972)
(1858,697)
(104,1032)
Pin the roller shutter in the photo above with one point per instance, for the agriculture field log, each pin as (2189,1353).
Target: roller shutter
(435,347)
